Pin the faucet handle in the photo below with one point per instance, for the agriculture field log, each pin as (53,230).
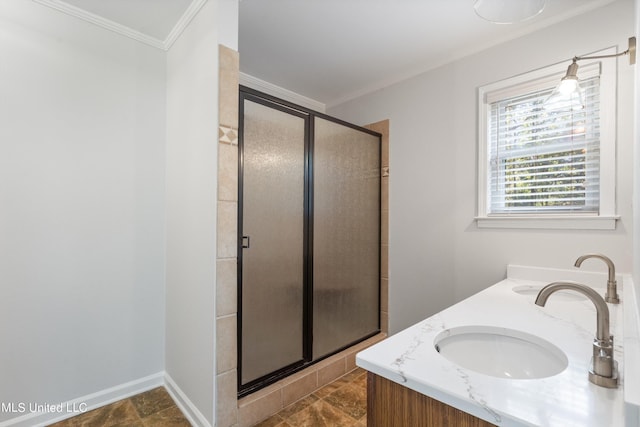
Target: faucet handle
(604,363)
(611,295)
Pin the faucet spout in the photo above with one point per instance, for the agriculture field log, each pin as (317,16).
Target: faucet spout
(604,369)
(612,291)
(602,311)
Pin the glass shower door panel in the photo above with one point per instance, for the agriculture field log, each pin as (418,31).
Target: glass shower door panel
(273,221)
(346,238)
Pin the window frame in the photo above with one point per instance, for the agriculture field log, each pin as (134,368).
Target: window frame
(550,76)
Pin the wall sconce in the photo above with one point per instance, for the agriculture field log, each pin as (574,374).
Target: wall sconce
(568,95)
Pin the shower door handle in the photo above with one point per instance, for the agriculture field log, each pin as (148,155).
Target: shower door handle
(246,242)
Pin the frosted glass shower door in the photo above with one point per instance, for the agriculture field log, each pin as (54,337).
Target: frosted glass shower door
(273,239)
(346,236)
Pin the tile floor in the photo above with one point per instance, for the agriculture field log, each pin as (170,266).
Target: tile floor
(153,408)
(342,403)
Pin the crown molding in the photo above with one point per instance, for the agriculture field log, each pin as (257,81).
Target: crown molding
(277,91)
(102,22)
(183,22)
(107,24)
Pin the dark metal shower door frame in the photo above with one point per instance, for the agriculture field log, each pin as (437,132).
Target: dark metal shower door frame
(307,344)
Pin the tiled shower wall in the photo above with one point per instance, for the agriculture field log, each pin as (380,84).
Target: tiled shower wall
(382,128)
(226,280)
(262,404)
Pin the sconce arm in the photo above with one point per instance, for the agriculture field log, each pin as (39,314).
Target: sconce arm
(631,51)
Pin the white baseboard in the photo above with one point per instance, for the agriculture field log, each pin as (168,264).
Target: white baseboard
(64,410)
(187,407)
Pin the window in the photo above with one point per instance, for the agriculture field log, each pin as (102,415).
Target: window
(542,168)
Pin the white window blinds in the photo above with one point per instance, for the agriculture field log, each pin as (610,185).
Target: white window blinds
(544,161)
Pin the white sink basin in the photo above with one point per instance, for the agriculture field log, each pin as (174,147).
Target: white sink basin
(530,290)
(500,352)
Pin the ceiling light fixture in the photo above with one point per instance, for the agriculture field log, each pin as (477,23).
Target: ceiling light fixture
(568,95)
(508,11)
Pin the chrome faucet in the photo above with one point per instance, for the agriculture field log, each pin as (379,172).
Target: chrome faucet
(612,292)
(604,369)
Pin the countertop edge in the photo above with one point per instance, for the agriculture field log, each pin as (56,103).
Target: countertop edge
(632,352)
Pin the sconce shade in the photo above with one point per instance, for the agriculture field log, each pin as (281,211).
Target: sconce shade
(567,95)
(508,11)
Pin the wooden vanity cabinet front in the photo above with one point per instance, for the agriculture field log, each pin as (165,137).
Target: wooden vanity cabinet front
(390,404)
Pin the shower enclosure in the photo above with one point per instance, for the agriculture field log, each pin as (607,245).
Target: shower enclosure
(308,238)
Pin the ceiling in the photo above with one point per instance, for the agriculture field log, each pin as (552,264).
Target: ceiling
(335,50)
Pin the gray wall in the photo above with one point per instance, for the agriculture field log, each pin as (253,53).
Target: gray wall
(192,126)
(636,172)
(82,158)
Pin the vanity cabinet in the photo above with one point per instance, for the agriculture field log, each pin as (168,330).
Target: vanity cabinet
(391,404)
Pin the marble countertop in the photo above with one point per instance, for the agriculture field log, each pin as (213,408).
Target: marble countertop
(566,399)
